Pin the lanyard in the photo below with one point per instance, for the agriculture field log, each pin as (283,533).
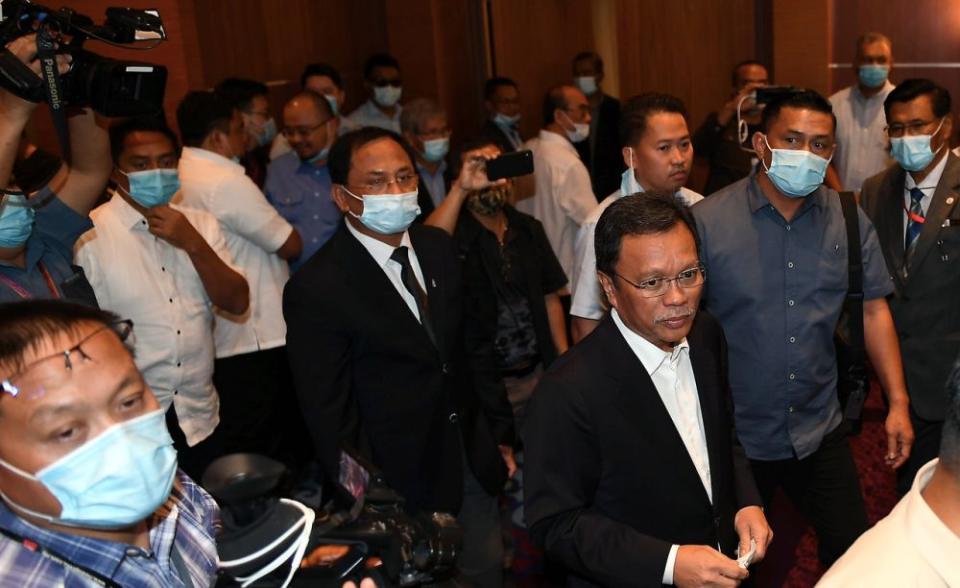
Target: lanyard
(20,290)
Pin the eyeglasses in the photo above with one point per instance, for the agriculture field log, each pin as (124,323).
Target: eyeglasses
(29,379)
(407,181)
(653,287)
(898,130)
(302,131)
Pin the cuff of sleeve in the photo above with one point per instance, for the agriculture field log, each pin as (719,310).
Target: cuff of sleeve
(668,569)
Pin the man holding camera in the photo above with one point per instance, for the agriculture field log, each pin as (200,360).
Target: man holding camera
(38,231)
(386,360)
(91,493)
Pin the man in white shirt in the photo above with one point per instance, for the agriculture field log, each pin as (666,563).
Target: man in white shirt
(918,542)
(256,397)
(861,140)
(564,197)
(658,153)
(381,74)
(633,473)
(165,267)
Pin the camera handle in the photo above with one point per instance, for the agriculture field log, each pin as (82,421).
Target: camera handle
(53,89)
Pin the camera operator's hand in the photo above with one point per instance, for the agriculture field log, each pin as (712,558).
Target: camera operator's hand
(702,566)
(506,452)
(365,583)
(473,173)
(25,49)
(729,109)
(173,227)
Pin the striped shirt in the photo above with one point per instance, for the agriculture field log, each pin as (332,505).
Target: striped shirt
(188,522)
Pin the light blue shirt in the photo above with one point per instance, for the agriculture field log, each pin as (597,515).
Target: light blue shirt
(435,183)
(368,115)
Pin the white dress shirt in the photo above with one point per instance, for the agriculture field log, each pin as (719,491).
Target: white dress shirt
(910,547)
(368,115)
(564,196)
(928,188)
(381,252)
(587,302)
(142,277)
(254,230)
(861,140)
(672,375)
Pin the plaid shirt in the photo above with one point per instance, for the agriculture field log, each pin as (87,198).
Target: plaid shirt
(188,521)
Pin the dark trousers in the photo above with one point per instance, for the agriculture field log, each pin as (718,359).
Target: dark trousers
(926,446)
(259,412)
(825,488)
(193,459)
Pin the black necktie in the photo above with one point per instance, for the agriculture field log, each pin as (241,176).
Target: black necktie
(401,256)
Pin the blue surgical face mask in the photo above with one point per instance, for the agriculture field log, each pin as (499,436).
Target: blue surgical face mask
(586,84)
(153,187)
(873,76)
(506,121)
(16,220)
(435,150)
(628,181)
(795,172)
(387,96)
(334,107)
(115,480)
(387,214)
(913,152)
(267,133)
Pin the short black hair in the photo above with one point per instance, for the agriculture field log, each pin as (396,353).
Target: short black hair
(638,110)
(553,100)
(591,55)
(27,324)
(950,438)
(734,73)
(378,60)
(121,130)
(240,92)
(801,100)
(341,154)
(644,213)
(909,90)
(200,113)
(491,85)
(321,69)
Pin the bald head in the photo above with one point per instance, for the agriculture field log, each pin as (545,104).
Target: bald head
(309,124)
(311,100)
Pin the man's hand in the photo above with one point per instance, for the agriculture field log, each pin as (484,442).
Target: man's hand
(899,436)
(750,523)
(473,173)
(174,228)
(702,566)
(729,109)
(506,452)
(25,48)
(365,583)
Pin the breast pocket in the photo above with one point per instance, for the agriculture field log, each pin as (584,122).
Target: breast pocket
(832,270)
(288,198)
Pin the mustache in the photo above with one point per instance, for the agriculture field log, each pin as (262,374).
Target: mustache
(684,312)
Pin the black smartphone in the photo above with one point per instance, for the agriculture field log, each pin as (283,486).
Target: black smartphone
(510,165)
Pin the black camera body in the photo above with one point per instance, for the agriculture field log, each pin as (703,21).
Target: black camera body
(108,86)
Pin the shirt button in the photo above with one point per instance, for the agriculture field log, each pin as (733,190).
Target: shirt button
(316,216)
(445,368)
(163,269)
(171,301)
(316,194)
(176,392)
(132,552)
(793,339)
(178,364)
(789,302)
(793,376)
(790,409)
(453,417)
(313,240)
(790,264)
(788,227)
(178,331)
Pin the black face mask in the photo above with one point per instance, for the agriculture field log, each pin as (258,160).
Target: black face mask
(488,201)
(34,172)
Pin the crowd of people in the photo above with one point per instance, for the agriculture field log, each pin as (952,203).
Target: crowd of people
(656,362)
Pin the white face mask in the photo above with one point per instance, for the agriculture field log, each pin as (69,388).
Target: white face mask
(387,96)
(580,131)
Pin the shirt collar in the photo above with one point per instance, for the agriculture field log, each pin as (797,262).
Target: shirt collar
(197,153)
(933,178)
(757,199)
(881,95)
(373,111)
(933,540)
(128,216)
(440,170)
(305,167)
(379,250)
(651,356)
(556,139)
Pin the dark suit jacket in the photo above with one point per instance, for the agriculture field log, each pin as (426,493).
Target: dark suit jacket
(609,484)
(926,303)
(369,377)
(604,162)
(493,133)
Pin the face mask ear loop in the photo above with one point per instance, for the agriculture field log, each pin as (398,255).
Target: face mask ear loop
(742,128)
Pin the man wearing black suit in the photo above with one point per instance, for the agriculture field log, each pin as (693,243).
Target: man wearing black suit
(601,151)
(501,99)
(634,475)
(917,219)
(387,363)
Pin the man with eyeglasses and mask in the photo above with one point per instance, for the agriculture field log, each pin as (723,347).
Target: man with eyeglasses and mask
(298,182)
(38,231)
(90,493)
(387,359)
(634,476)
(501,100)
(166,267)
(424,126)
(775,247)
(251,99)
(381,74)
(914,207)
